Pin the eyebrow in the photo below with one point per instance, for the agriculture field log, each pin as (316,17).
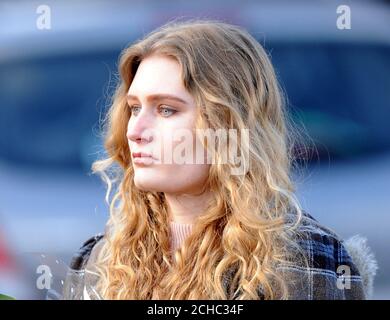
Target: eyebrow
(160,96)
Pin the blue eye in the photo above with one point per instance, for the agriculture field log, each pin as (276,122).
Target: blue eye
(166,112)
(134,109)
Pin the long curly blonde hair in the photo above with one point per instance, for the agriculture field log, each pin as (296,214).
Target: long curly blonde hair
(236,245)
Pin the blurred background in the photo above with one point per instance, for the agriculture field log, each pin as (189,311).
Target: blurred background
(55,85)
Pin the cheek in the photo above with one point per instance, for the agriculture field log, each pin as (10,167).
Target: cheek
(174,137)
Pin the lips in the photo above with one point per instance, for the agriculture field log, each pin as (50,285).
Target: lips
(143,158)
(141,155)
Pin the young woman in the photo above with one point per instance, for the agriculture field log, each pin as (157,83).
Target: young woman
(226,226)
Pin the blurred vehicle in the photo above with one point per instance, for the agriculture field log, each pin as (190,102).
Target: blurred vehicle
(55,87)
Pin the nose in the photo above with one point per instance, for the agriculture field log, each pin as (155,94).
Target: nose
(139,128)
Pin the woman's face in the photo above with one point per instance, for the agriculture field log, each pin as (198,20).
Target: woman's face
(161,108)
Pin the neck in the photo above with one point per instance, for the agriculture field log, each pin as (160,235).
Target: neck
(185,208)
(179,232)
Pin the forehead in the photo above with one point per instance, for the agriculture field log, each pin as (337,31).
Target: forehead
(157,73)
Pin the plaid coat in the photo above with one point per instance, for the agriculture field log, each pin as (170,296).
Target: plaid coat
(329,274)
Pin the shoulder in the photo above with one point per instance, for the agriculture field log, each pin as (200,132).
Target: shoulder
(80,277)
(82,255)
(324,248)
(330,270)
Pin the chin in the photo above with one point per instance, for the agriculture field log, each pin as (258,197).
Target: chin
(153,186)
(141,185)
(146,184)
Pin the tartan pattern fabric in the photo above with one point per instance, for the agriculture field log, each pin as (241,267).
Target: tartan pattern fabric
(329,273)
